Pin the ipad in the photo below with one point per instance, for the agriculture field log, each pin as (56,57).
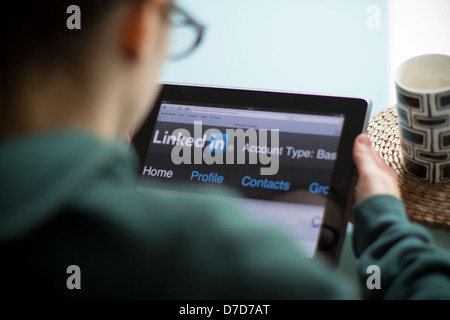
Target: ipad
(287,156)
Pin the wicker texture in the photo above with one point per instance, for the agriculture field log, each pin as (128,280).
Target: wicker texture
(425,203)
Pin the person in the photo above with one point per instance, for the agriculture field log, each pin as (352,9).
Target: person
(68,189)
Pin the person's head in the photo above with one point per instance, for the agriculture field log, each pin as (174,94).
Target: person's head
(102,77)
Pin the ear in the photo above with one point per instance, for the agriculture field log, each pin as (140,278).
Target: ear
(141,26)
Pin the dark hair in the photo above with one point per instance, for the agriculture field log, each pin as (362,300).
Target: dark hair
(34,26)
(34,32)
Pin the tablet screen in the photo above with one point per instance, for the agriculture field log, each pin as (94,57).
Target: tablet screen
(280,163)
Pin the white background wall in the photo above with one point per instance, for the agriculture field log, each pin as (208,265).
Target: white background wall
(311,45)
(417,27)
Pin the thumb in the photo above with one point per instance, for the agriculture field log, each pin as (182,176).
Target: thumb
(366,160)
(375,176)
(365,157)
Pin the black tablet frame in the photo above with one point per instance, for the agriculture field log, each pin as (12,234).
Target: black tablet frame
(355,110)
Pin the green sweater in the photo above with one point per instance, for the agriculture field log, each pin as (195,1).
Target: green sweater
(68,199)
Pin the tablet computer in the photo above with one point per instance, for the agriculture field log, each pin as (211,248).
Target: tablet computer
(288,156)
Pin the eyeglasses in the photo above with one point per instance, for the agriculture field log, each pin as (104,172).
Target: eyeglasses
(187,33)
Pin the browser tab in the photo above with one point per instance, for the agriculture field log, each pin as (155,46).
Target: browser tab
(330,125)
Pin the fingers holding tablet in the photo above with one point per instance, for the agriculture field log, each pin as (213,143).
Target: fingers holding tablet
(375,177)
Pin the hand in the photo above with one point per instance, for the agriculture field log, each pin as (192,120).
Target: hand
(375,177)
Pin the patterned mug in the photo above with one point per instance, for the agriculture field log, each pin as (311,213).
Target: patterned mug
(423,105)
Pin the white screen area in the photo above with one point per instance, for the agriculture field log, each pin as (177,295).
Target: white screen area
(299,222)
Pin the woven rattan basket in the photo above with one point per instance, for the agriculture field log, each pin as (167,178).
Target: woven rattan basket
(425,203)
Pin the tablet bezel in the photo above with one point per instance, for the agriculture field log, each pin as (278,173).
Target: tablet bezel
(355,110)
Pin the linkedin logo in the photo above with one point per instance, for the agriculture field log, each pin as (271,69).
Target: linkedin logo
(217,142)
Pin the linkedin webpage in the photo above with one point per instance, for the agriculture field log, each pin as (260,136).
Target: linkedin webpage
(280,163)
